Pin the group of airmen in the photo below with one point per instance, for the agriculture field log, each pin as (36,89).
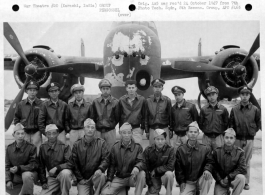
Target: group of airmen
(99,164)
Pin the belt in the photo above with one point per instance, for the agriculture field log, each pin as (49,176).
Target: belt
(31,131)
(77,128)
(105,130)
(212,135)
(158,126)
(180,133)
(135,126)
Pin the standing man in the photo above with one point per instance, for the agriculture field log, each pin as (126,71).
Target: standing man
(160,160)
(54,111)
(132,110)
(213,119)
(245,118)
(54,156)
(158,112)
(230,166)
(183,113)
(104,112)
(90,159)
(20,164)
(194,164)
(127,164)
(27,112)
(78,112)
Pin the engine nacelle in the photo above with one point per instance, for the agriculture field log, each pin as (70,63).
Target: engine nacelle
(228,82)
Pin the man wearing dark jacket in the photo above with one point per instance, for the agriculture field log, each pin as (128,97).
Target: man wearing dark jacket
(213,120)
(54,111)
(245,119)
(90,159)
(54,155)
(230,166)
(194,164)
(27,112)
(183,113)
(158,112)
(21,164)
(104,111)
(159,161)
(127,164)
(132,110)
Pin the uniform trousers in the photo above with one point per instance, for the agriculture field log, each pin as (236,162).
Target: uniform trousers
(74,135)
(203,185)
(151,136)
(35,139)
(213,142)
(247,146)
(23,184)
(60,184)
(118,185)
(93,186)
(167,180)
(109,137)
(137,134)
(237,184)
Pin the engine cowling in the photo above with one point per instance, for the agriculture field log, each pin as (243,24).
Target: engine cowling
(228,82)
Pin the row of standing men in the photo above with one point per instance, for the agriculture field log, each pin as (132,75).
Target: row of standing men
(153,113)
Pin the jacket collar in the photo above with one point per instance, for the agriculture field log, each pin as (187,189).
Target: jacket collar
(35,101)
(88,143)
(82,103)
(196,147)
(21,148)
(247,106)
(54,146)
(164,148)
(131,146)
(50,102)
(183,105)
(161,98)
(231,151)
(216,106)
(100,99)
(136,96)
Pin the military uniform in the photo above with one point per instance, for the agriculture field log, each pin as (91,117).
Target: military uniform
(158,114)
(246,121)
(26,113)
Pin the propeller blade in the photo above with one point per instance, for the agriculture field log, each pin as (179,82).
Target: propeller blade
(10,114)
(254,101)
(253,48)
(14,42)
(191,66)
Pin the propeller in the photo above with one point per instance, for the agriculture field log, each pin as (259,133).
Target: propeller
(252,50)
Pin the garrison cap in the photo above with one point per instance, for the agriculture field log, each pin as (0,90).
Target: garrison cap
(32,85)
(89,121)
(50,127)
(77,87)
(125,126)
(159,132)
(244,89)
(231,131)
(104,83)
(194,124)
(211,89)
(18,127)
(157,82)
(53,86)
(130,82)
(178,89)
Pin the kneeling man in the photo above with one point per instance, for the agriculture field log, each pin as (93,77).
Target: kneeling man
(230,166)
(159,161)
(20,164)
(54,156)
(127,164)
(194,164)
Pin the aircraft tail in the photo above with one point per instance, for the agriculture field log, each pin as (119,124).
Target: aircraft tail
(200,48)
(82,48)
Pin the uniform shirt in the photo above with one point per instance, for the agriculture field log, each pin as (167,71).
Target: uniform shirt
(89,156)
(105,115)
(27,113)
(76,114)
(228,162)
(24,157)
(51,113)
(134,113)
(191,162)
(245,120)
(213,119)
(56,155)
(183,116)
(158,114)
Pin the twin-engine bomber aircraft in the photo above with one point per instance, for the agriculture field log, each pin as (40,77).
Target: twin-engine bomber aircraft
(132,50)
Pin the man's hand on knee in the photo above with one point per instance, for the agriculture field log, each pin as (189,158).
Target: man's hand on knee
(207,175)
(9,185)
(182,187)
(45,186)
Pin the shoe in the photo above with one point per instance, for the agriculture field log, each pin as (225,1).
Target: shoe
(246,187)
(74,183)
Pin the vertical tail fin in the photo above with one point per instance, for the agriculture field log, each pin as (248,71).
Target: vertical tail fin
(200,48)
(82,79)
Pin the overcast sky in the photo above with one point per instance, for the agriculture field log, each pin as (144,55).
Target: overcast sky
(178,39)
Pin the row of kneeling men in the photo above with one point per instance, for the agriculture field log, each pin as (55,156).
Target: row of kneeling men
(126,164)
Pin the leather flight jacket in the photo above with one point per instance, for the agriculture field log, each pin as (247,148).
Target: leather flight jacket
(88,157)
(228,163)
(53,156)
(53,114)
(123,159)
(27,114)
(24,157)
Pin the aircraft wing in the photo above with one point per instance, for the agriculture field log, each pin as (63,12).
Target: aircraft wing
(9,62)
